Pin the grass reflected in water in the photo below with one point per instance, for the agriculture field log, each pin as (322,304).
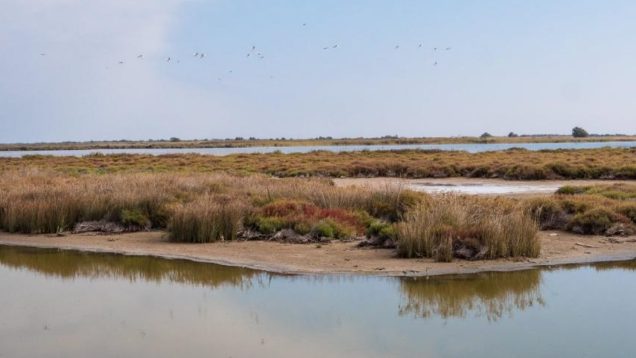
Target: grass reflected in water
(73,264)
(492,294)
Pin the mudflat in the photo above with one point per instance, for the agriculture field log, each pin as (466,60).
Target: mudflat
(473,186)
(558,248)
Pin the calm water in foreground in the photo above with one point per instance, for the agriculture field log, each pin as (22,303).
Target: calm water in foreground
(68,304)
(469,147)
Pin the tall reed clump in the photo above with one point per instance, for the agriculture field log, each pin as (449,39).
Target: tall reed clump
(47,202)
(208,219)
(450,226)
(41,212)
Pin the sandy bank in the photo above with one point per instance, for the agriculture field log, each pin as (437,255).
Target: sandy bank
(557,248)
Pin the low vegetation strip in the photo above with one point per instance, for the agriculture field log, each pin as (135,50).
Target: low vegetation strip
(194,207)
(599,210)
(616,191)
(201,208)
(605,163)
(240,142)
(209,207)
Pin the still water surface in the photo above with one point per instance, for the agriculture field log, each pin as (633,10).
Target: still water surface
(485,189)
(69,304)
(468,147)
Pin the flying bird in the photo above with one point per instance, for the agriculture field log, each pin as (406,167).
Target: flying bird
(397,47)
(140,56)
(168,59)
(420,45)
(42,54)
(448,49)
(202,55)
(334,46)
(121,62)
(196,54)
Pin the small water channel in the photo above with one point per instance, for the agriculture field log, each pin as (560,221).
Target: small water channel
(69,304)
(484,188)
(468,147)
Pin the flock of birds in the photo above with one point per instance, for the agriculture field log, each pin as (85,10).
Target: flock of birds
(255,53)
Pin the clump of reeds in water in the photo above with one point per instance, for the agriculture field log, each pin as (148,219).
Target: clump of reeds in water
(451,226)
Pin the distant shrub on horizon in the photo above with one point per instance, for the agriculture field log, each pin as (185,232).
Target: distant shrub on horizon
(578,132)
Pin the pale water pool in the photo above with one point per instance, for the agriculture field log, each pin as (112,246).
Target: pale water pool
(69,304)
(485,188)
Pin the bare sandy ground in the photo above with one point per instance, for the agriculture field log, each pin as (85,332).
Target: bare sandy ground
(476,186)
(333,258)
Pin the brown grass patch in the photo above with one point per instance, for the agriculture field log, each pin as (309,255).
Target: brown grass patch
(511,164)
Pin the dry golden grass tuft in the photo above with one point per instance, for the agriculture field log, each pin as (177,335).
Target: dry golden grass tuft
(449,226)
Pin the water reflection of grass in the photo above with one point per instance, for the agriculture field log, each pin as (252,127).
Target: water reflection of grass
(487,294)
(73,264)
(623,265)
(629,265)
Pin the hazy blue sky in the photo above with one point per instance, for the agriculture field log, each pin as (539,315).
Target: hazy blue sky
(525,66)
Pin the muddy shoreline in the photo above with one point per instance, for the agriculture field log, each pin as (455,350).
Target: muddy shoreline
(558,248)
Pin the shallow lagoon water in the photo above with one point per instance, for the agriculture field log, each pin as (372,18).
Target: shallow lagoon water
(485,189)
(69,304)
(468,147)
